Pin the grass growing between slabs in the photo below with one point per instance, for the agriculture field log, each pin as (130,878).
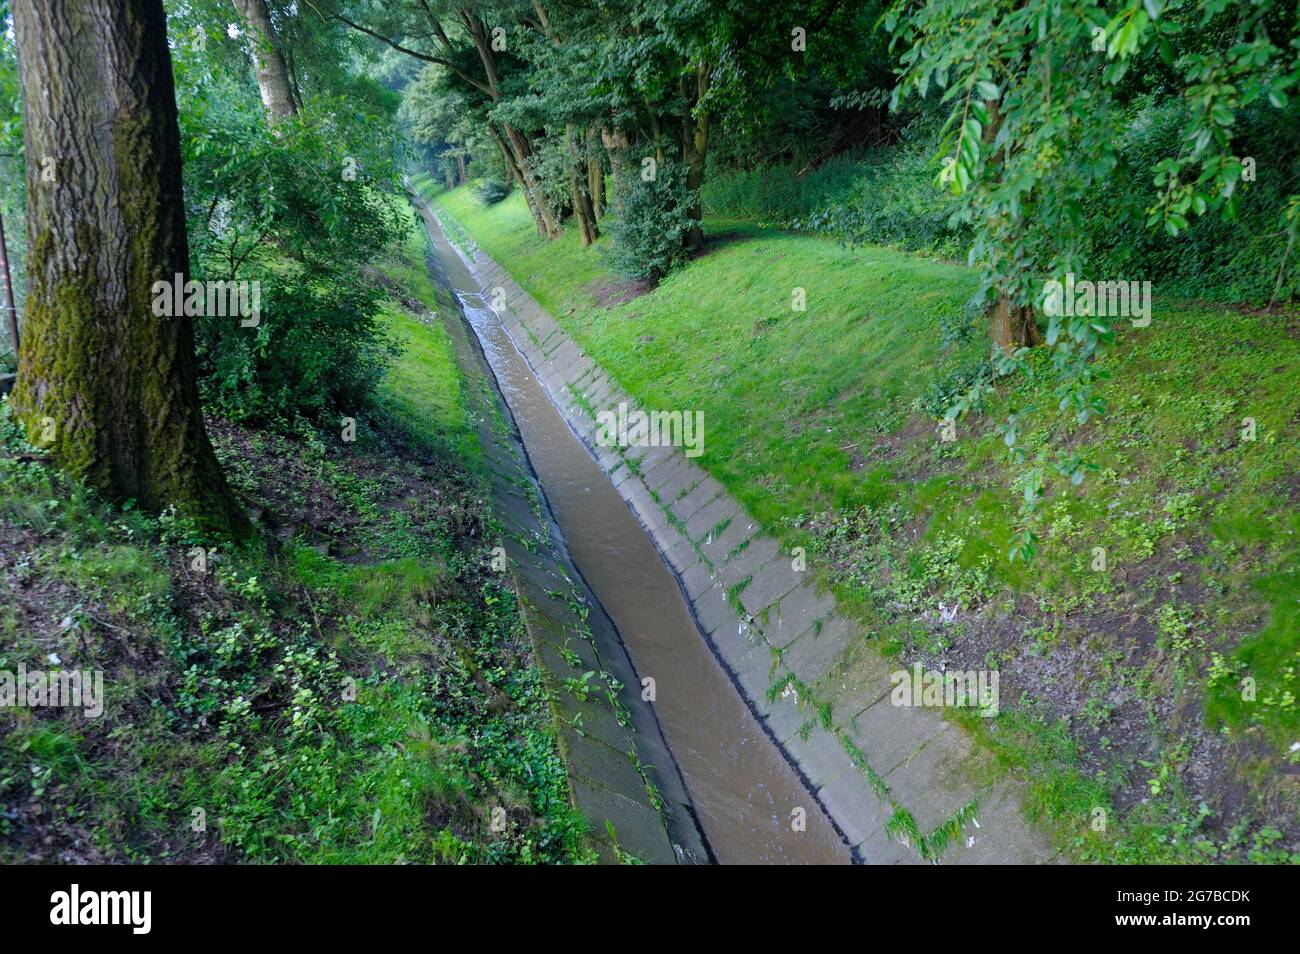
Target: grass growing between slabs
(1149,655)
(352,686)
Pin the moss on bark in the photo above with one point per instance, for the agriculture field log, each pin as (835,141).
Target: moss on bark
(108,386)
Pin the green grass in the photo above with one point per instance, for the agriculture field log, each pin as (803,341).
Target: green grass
(822,424)
(423,386)
(359,690)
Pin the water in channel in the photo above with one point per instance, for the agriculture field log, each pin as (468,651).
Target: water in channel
(743,789)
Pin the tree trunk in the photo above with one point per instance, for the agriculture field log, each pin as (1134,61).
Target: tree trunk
(521,150)
(105,383)
(7,299)
(616,145)
(1013,326)
(506,160)
(514,172)
(268,59)
(460,167)
(1010,326)
(548,223)
(699,147)
(582,208)
(595,175)
(657,136)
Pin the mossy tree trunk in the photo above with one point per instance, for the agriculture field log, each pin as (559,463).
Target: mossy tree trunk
(103,382)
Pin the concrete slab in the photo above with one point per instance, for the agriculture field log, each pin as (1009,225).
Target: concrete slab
(887,735)
(812,654)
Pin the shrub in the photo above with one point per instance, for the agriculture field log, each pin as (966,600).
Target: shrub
(648,237)
(776,193)
(1233,260)
(272,207)
(886,198)
(490,191)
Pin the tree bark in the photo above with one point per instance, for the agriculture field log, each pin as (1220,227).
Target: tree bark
(1013,326)
(7,299)
(108,386)
(1010,326)
(595,175)
(268,60)
(699,147)
(582,207)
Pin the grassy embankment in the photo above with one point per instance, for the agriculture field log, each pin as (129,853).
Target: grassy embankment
(354,685)
(1122,688)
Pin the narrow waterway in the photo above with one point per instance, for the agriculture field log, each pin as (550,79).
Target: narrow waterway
(743,790)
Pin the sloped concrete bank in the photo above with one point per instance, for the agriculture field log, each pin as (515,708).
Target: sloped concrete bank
(902,784)
(622,775)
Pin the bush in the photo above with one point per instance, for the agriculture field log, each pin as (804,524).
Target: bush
(775,193)
(1234,260)
(273,208)
(886,198)
(648,237)
(490,191)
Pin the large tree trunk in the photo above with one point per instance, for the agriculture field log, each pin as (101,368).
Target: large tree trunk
(268,59)
(105,383)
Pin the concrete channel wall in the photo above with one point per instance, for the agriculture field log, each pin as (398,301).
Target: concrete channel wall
(902,784)
(615,753)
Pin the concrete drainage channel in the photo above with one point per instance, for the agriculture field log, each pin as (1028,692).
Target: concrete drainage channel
(773,778)
(728,794)
(623,778)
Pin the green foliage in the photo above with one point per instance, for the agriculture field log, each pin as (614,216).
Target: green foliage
(1037,98)
(490,191)
(298,209)
(648,235)
(367,711)
(884,198)
(824,427)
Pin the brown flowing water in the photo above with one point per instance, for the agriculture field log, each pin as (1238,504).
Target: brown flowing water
(742,788)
